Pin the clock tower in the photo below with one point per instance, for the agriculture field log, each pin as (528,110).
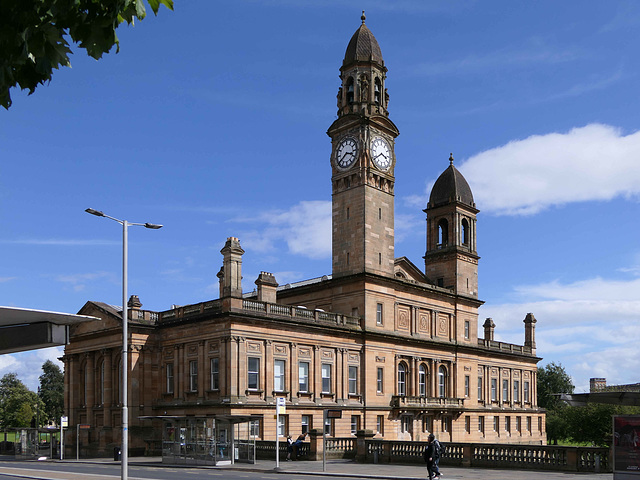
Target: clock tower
(363,163)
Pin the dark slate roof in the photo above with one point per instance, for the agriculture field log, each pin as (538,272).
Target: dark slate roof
(363,46)
(451,186)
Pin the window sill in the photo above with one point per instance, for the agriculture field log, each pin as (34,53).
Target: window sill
(279,393)
(327,395)
(305,394)
(253,392)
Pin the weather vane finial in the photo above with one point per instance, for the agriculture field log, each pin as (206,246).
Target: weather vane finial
(363,18)
(451,159)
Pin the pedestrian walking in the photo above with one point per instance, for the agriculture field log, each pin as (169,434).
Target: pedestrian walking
(432,457)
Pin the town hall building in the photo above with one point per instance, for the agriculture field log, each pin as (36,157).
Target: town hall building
(391,344)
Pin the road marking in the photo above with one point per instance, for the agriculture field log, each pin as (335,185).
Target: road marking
(56,474)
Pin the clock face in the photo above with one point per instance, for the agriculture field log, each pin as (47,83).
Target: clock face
(380,153)
(347,152)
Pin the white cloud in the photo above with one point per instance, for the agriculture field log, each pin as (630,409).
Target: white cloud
(79,281)
(305,228)
(590,326)
(595,162)
(28,365)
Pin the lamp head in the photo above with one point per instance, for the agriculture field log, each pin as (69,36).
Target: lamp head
(154,226)
(97,213)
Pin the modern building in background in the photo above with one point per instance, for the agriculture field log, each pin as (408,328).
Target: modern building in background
(391,344)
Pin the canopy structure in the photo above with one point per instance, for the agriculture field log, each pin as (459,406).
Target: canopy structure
(24,329)
(611,398)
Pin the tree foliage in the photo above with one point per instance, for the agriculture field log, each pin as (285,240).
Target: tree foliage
(17,402)
(33,35)
(52,391)
(552,379)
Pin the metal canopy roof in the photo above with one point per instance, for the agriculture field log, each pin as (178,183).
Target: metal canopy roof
(25,329)
(611,398)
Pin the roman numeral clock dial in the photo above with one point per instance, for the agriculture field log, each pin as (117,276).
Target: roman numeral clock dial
(347,152)
(380,153)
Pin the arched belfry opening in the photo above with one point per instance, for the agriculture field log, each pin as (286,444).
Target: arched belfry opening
(464,232)
(443,233)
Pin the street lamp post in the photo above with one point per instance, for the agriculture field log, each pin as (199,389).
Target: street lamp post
(124,452)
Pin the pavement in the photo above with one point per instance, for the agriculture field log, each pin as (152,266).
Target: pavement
(348,468)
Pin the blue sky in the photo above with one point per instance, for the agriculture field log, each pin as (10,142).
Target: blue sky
(211,120)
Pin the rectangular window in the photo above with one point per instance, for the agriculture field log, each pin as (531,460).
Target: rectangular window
(507,425)
(282,425)
(529,424)
(303,377)
(505,390)
(467,381)
(193,376)
(278,375)
(254,428)
(466,329)
(445,424)
(215,374)
(380,424)
(326,378)
(355,424)
(518,424)
(467,424)
(481,424)
(480,389)
(353,380)
(380,382)
(253,373)
(405,424)
(328,426)
(496,424)
(169,370)
(494,389)
(305,423)
(427,424)
(516,391)
(526,392)
(540,424)
(379,314)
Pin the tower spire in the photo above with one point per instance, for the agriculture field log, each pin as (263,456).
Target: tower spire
(363,17)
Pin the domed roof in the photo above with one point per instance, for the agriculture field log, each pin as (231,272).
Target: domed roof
(451,187)
(363,46)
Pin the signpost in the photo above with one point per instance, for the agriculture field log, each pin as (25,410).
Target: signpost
(281,409)
(64,422)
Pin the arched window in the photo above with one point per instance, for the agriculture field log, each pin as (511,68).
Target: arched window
(402,379)
(377,89)
(350,91)
(442,382)
(465,232)
(443,233)
(422,380)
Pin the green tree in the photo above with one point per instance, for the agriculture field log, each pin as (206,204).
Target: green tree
(552,379)
(33,35)
(17,402)
(51,392)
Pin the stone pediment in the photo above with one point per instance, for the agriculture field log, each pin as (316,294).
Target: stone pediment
(404,269)
(110,317)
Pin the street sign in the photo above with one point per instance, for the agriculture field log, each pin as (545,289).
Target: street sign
(281,401)
(334,413)
(64,421)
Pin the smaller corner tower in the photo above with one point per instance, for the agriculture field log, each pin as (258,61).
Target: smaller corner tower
(363,163)
(451,259)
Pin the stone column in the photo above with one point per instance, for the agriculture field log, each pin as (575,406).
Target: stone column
(317,373)
(361,444)
(293,376)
